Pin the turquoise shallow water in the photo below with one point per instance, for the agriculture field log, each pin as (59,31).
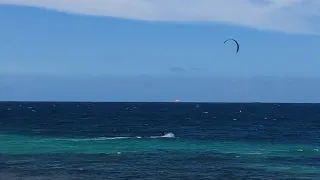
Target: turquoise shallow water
(124,141)
(19,144)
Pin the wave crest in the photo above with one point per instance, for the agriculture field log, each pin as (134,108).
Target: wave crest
(167,135)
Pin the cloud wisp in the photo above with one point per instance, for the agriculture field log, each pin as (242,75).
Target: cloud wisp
(177,69)
(290,16)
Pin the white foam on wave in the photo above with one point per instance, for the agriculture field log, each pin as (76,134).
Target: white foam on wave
(254,153)
(167,135)
(111,138)
(96,139)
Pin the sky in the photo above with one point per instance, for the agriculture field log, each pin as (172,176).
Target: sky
(160,50)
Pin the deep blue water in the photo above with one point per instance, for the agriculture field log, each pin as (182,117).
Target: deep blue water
(124,141)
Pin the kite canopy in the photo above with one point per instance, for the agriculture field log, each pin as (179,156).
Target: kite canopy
(235,42)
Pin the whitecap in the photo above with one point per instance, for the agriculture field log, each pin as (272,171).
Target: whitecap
(95,139)
(167,135)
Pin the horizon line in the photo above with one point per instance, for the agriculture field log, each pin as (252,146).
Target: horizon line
(184,102)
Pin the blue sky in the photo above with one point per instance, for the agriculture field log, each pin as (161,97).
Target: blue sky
(161,41)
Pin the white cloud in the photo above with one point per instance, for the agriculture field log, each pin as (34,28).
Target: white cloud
(292,16)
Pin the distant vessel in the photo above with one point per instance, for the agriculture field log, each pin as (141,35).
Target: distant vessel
(176,101)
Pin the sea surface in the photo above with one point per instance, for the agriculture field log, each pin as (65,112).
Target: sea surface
(118,141)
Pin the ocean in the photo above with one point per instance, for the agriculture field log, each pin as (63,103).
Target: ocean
(93,141)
